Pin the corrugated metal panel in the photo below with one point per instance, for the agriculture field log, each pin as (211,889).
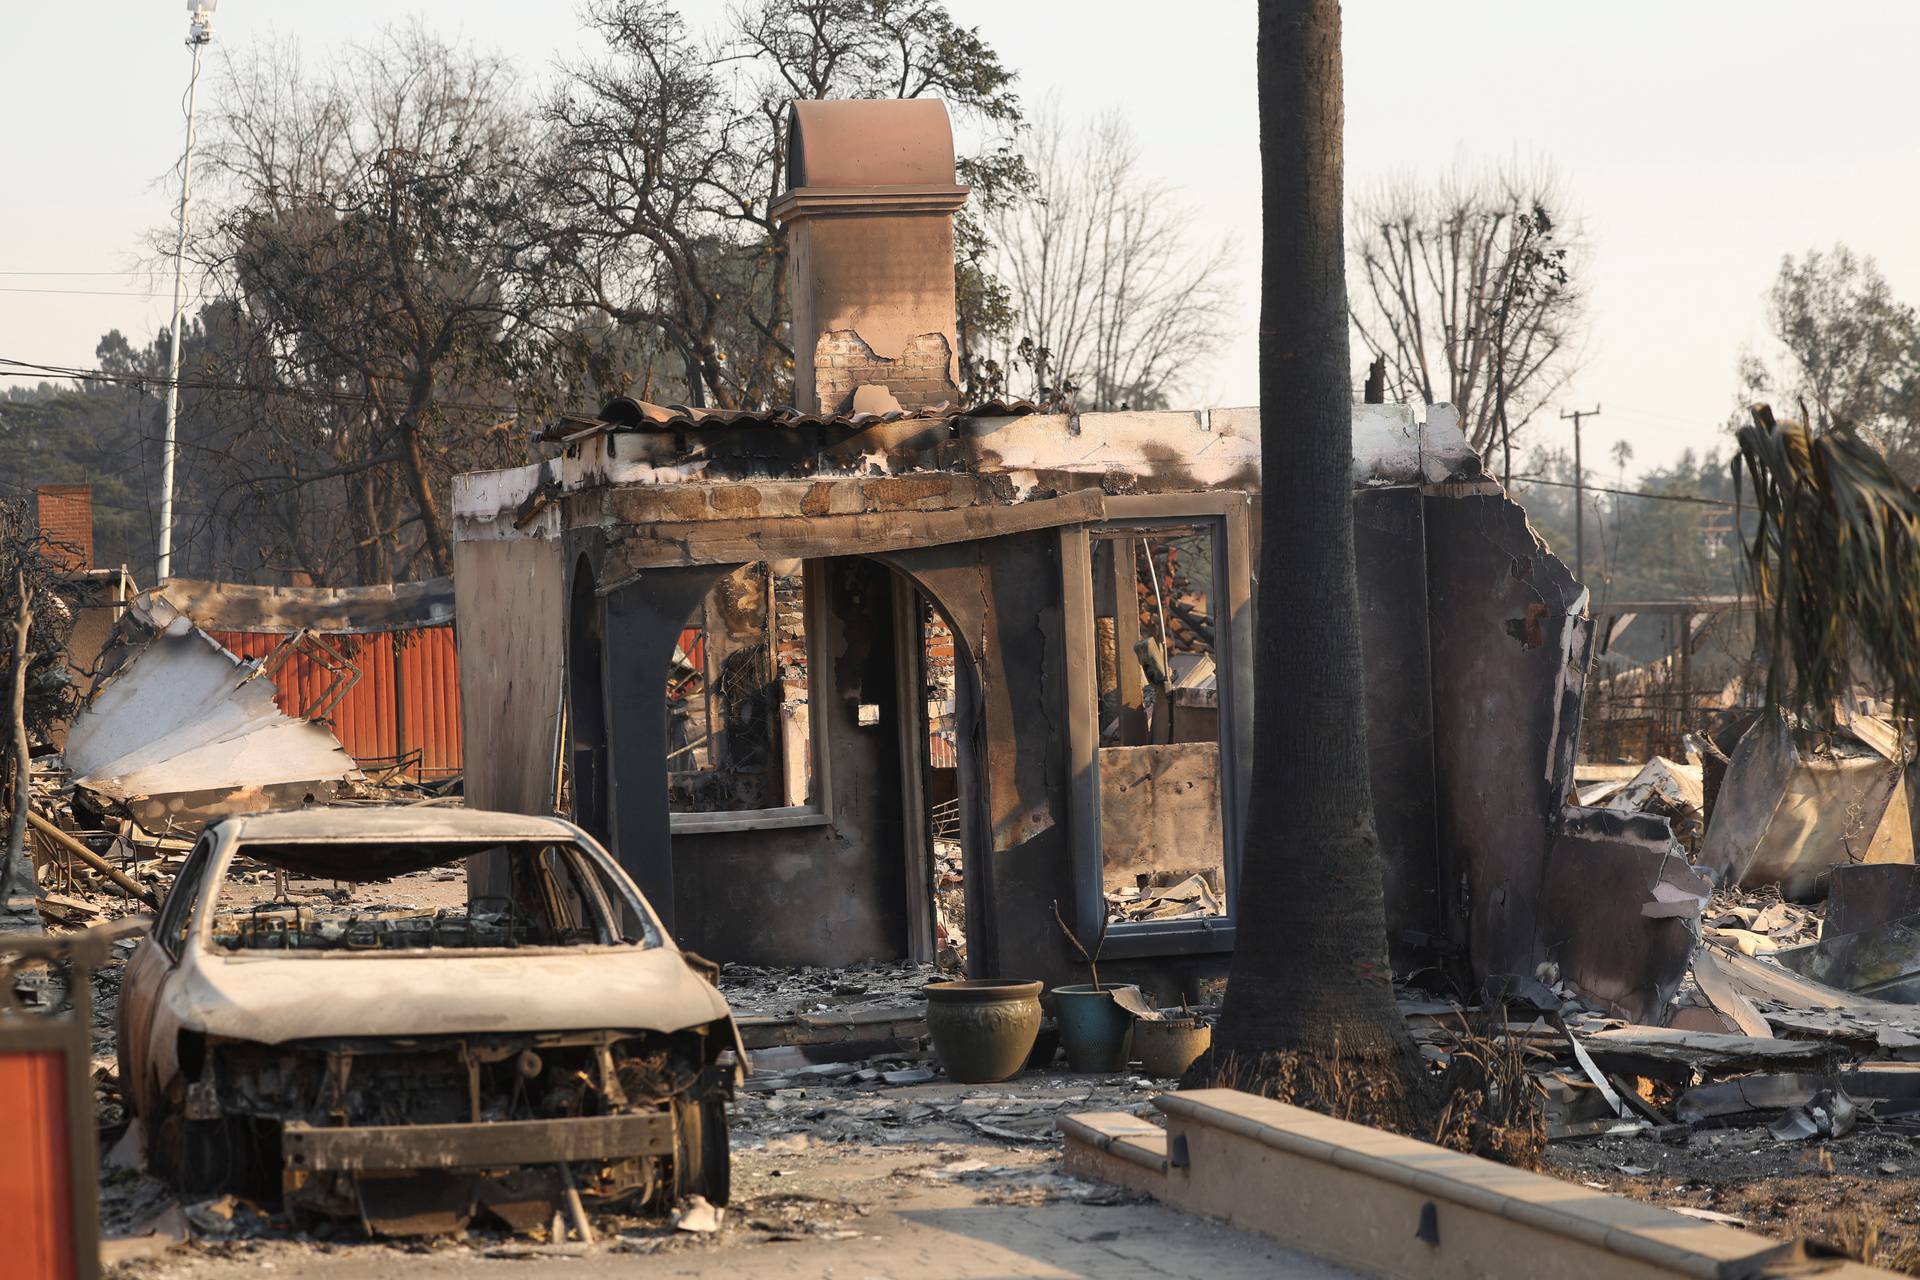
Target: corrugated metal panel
(365,720)
(36,1192)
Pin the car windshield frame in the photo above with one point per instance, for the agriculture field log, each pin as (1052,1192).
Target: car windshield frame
(605,878)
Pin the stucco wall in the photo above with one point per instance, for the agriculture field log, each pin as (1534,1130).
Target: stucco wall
(511,615)
(832,894)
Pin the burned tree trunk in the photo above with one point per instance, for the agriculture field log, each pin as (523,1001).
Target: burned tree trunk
(1310,968)
(16,876)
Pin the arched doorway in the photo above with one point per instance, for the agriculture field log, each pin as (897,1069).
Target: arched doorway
(939,715)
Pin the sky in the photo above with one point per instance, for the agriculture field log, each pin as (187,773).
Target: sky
(1698,143)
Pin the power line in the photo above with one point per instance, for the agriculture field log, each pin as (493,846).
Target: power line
(145,382)
(1579,484)
(130,271)
(1626,493)
(92,293)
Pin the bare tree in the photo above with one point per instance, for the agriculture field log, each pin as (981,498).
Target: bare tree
(1469,289)
(15,875)
(1118,305)
(377,305)
(37,610)
(668,153)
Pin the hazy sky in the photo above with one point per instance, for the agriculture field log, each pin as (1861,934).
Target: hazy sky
(1699,141)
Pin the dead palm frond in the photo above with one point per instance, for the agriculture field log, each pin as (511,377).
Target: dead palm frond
(1835,558)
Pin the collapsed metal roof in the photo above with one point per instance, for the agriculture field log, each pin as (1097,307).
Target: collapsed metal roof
(232,606)
(178,730)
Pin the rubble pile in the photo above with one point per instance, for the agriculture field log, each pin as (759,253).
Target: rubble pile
(1760,921)
(1668,788)
(949,907)
(1184,900)
(754,990)
(896,1102)
(1766,1097)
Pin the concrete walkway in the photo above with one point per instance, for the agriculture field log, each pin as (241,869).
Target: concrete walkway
(963,1242)
(838,1214)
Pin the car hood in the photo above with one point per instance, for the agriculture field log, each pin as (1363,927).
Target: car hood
(273,999)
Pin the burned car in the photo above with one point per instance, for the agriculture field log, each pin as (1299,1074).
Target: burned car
(410,1015)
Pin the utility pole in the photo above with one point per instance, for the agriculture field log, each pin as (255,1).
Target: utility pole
(1579,493)
(199,35)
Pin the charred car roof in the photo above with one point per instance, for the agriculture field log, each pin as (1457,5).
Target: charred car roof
(429,824)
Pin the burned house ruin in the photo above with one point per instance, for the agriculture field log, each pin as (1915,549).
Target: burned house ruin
(779,659)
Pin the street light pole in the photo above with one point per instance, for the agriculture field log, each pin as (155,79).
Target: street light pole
(1579,494)
(199,35)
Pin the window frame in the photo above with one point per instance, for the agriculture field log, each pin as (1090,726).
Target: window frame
(818,811)
(1228,516)
(578,844)
(173,928)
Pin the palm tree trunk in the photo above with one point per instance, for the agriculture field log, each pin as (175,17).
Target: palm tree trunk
(1310,961)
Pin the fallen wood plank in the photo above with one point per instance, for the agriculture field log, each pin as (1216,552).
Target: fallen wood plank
(92,859)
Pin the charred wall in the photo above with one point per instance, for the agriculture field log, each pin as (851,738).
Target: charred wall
(1501,632)
(828,893)
(1389,530)
(1001,597)
(1538,880)
(831,894)
(510,670)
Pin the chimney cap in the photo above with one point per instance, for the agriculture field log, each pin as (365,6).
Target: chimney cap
(869,142)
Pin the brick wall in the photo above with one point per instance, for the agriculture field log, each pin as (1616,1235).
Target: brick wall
(790,636)
(66,522)
(937,656)
(920,378)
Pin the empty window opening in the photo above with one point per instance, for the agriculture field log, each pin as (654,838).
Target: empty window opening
(414,898)
(739,732)
(1162,824)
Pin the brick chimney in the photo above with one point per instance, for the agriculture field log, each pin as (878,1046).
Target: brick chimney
(65,513)
(869,210)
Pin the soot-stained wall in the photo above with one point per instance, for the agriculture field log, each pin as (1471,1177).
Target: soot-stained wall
(1390,556)
(827,894)
(1542,881)
(1002,597)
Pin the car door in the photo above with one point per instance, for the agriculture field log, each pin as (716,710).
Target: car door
(141,989)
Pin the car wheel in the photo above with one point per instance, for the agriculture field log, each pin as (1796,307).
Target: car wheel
(702,1162)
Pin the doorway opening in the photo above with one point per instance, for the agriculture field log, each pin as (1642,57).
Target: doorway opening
(939,775)
(585,783)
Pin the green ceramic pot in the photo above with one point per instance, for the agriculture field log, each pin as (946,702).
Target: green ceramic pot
(1096,1032)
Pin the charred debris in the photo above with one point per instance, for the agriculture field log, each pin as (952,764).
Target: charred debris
(856,691)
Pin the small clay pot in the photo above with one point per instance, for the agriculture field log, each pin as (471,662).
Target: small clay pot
(1166,1049)
(983,1028)
(1096,1032)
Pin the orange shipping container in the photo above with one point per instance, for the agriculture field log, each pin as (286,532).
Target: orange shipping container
(396,707)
